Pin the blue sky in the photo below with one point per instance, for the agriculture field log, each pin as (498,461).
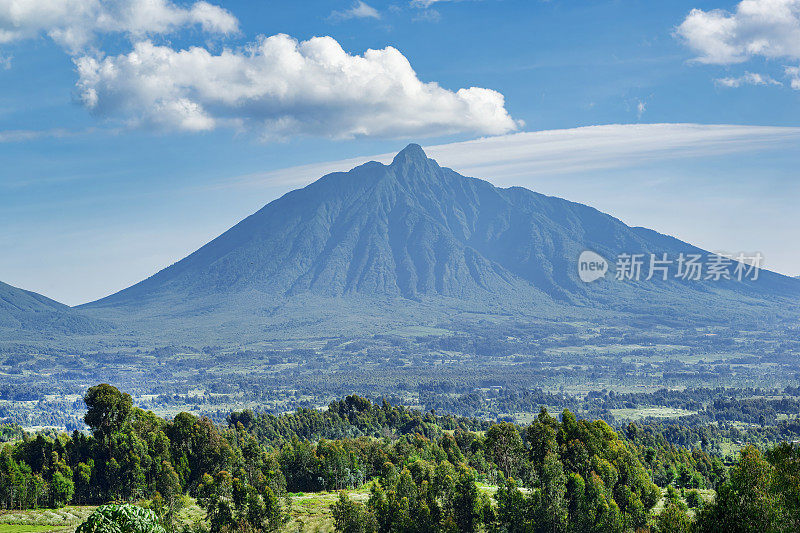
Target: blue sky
(129,137)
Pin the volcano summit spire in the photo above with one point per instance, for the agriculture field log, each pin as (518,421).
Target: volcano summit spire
(412,152)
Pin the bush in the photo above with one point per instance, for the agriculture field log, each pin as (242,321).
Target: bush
(121,519)
(351,517)
(673,519)
(693,499)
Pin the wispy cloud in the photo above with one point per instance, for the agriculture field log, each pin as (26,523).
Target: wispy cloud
(605,147)
(748,78)
(426,12)
(793,73)
(12,136)
(429,3)
(506,159)
(427,15)
(359,10)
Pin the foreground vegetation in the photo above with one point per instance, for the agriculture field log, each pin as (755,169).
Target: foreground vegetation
(361,466)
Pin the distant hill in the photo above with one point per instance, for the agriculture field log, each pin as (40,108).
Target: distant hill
(411,243)
(27,311)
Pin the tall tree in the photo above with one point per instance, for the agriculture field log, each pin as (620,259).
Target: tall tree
(504,446)
(745,503)
(108,409)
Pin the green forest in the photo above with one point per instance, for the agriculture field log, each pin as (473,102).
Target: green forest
(418,471)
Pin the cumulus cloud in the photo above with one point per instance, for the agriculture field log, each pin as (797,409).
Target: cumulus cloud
(74,24)
(360,10)
(748,78)
(766,28)
(281,87)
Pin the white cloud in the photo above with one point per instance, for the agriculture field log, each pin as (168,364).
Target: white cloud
(5,62)
(589,148)
(360,10)
(522,158)
(429,3)
(793,73)
(280,87)
(10,136)
(748,78)
(641,107)
(13,136)
(766,28)
(427,15)
(74,24)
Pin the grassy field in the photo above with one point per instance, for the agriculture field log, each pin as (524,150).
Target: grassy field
(649,411)
(64,520)
(24,528)
(310,512)
(707,495)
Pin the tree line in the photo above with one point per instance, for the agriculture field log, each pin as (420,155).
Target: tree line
(424,471)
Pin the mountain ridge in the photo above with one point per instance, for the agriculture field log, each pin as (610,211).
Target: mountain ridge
(23,310)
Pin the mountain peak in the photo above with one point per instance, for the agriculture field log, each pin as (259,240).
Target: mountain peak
(412,152)
(425,234)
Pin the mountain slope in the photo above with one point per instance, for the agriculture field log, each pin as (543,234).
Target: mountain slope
(384,238)
(25,310)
